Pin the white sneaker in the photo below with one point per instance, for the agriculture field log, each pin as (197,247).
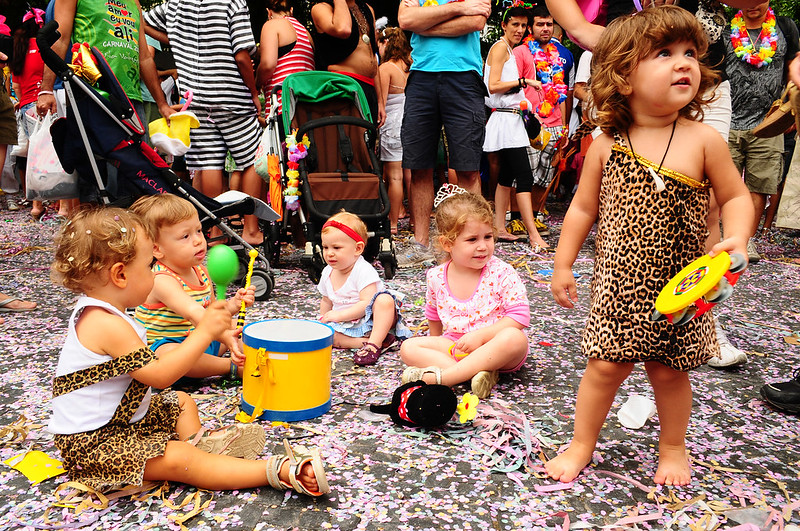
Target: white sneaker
(729,356)
(752,252)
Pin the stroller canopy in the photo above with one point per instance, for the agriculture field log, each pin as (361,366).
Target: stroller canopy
(316,87)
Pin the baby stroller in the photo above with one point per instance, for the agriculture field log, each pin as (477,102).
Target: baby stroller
(341,170)
(102,125)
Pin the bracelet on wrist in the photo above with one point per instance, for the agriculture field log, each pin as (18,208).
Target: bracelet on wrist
(42,92)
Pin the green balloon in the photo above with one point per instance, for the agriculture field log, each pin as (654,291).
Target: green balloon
(223,266)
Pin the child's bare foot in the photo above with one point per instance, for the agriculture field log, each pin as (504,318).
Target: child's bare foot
(306,476)
(673,467)
(568,465)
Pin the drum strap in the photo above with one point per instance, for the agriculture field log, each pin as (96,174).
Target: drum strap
(105,371)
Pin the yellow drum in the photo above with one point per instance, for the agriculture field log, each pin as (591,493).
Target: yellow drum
(287,373)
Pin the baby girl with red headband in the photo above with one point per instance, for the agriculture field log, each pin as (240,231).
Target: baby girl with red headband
(355,303)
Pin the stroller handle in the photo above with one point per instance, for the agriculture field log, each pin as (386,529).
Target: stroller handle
(45,39)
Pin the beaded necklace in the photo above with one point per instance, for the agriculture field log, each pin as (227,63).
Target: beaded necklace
(767,40)
(363,28)
(550,72)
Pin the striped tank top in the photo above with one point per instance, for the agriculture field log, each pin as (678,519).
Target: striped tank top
(299,59)
(159,320)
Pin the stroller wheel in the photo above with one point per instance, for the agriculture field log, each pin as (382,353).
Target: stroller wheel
(263,282)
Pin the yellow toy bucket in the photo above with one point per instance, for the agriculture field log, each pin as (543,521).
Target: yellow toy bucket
(287,371)
(173,139)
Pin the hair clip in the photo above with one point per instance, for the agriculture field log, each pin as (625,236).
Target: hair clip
(116,218)
(446,191)
(123,230)
(70,259)
(88,231)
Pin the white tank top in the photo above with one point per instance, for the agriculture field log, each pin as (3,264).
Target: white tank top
(93,406)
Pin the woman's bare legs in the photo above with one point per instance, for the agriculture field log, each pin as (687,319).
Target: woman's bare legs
(673,393)
(595,395)
(66,207)
(393,176)
(254,186)
(526,212)
(502,198)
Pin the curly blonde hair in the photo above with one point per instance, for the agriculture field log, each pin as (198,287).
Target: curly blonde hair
(623,45)
(161,210)
(93,240)
(349,220)
(453,213)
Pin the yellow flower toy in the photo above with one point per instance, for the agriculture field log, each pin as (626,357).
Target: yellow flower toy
(467,409)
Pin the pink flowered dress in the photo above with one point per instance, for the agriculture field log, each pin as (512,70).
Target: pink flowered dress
(500,293)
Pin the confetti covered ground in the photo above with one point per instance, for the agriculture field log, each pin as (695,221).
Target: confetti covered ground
(745,461)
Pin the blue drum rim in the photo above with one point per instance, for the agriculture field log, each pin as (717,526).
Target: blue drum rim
(309,345)
(288,415)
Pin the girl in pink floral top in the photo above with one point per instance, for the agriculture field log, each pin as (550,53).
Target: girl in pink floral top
(476,305)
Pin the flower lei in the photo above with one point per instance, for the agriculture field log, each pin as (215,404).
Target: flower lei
(297,151)
(767,40)
(550,73)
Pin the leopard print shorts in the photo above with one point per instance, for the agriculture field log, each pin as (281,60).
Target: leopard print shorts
(115,455)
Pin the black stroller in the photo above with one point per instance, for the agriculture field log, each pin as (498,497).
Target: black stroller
(341,170)
(102,125)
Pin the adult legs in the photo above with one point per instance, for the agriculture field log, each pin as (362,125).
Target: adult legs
(208,182)
(393,176)
(254,186)
(525,204)
(759,203)
(422,205)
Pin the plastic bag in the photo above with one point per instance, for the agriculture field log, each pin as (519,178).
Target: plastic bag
(262,154)
(45,178)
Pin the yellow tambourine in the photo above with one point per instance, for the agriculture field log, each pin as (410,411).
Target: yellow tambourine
(698,287)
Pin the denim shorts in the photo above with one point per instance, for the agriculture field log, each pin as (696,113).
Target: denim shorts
(212,349)
(452,99)
(362,327)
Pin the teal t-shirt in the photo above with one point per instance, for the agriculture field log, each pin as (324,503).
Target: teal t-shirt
(446,54)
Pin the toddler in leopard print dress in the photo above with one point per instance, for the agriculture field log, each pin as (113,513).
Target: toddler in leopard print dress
(650,205)
(109,426)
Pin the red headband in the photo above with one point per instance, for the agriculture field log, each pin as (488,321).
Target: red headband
(344,228)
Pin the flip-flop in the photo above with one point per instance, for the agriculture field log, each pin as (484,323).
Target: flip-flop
(4,308)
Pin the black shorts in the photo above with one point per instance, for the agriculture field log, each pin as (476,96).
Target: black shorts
(452,99)
(514,165)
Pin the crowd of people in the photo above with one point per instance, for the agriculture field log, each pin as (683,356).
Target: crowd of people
(660,111)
